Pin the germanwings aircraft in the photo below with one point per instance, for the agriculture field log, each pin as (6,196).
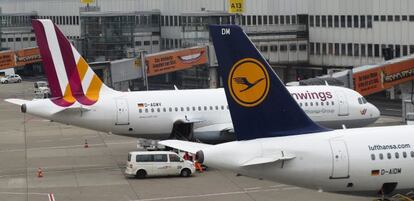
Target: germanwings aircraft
(277,141)
(80,98)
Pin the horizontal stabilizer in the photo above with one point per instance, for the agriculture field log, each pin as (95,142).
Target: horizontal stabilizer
(280,156)
(191,147)
(16,101)
(75,108)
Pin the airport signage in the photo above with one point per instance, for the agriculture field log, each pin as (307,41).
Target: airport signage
(170,61)
(7,60)
(383,77)
(87,1)
(236,6)
(27,56)
(11,59)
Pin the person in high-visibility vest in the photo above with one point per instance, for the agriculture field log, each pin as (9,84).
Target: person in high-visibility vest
(198,167)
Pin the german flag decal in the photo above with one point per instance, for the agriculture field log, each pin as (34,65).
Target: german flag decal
(375,172)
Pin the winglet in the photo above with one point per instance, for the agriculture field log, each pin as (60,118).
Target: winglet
(260,105)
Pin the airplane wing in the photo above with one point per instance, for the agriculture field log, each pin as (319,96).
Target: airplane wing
(187,120)
(270,158)
(16,101)
(191,147)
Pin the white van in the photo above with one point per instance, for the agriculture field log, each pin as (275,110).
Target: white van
(157,163)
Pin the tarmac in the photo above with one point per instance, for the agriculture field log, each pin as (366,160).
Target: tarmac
(72,172)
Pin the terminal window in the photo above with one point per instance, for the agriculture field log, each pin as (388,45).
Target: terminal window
(276,19)
(318,21)
(336,21)
(311,22)
(343,21)
(282,19)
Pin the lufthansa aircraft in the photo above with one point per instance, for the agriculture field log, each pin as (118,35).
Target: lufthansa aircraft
(80,98)
(277,141)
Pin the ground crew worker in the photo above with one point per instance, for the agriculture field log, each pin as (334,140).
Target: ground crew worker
(186,156)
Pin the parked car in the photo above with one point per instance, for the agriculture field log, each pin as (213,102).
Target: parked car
(142,164)
(11,79)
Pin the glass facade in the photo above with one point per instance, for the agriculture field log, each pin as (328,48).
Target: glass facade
(109,36)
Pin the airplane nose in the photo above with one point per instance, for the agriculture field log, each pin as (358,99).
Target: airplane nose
(375,113)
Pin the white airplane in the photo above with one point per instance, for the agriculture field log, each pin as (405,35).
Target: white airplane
(277,141)
(80,98)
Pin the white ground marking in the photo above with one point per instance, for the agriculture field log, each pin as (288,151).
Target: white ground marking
(218,194)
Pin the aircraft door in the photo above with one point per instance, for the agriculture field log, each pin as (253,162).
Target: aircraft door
(122,114)
(343,104)
(340,160)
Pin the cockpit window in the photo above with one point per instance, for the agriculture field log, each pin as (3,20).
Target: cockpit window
(362,100)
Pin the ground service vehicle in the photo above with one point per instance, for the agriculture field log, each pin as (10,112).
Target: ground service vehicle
(157,163)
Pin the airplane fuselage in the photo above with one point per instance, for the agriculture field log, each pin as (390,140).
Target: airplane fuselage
(152,114)
(350,161)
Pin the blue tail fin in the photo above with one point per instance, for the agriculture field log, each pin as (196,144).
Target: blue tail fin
(260,105)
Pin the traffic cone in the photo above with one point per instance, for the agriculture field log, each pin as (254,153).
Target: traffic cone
(39,172)
(86,144)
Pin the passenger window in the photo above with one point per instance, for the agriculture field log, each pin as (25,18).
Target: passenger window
(306,104)
(160,157)
(412,154)
(321,103)
(199,108)
(194,108)
(300,104)
(381,156)
(405,154)
(140,110)
(333,103)
(222,107)
(373,157)
(311,103)
(176,109)
(316,103)
(158,110)
(174,158)
(146,110)
(144,158)
(170,109)
(360,101)
(217,107)
(164,109)
(205,108)
(211,107)
(389,155)
(152,110)
(327,103)
(182,109)
(188,108)
(397,155)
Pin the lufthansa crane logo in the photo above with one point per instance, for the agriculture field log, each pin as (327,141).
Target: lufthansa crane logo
(248,82)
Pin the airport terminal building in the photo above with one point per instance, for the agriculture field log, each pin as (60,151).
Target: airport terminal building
(300,38)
